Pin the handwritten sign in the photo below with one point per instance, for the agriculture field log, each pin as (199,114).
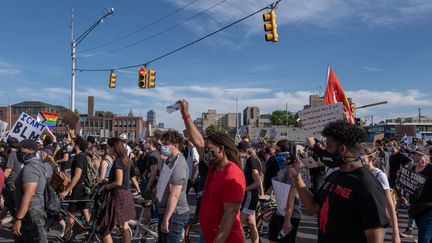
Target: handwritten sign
(315,119)
(26,127)
(410,181)
(70,119)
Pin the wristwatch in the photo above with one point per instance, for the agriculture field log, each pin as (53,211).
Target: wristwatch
(17,219)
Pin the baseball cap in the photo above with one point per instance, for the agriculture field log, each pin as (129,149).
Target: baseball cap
(123,136)
(243,145)
(29,144)
(421,151)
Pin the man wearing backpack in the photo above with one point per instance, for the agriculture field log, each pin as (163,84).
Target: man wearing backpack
(30,221)
(77,185)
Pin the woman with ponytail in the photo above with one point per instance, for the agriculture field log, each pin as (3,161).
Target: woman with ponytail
(225,184)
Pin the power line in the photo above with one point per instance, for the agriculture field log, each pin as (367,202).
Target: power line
(141,28)
(161,32)
(182,47)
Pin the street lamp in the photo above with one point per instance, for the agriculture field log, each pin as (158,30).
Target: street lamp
(75,43)
(10,111)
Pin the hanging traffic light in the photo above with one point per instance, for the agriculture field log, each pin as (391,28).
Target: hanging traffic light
(112,80)
(142,78)
(151,78)
(270,26)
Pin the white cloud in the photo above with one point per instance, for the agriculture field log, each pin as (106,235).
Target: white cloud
(8,69)
(323,14)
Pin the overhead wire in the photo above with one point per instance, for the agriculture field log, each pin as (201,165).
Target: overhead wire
(271,6)
(141,28)
(161,32)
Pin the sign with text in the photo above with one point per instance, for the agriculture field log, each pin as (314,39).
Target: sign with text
(315,119)
(26,127)
(410,181)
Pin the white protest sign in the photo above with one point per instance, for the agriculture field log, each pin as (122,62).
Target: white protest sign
(315,119)
(281,191)
(26,127)
(3,126)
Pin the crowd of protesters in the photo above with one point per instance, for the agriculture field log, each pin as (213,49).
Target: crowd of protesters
(354,190)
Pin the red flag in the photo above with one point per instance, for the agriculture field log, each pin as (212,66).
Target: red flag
(335,93)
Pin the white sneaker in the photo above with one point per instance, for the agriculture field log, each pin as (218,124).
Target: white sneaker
(7,219)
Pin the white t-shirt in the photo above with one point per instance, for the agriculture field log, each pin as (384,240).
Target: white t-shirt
(193,157)
(381,177)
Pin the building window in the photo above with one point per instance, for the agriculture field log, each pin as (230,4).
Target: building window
(1,113)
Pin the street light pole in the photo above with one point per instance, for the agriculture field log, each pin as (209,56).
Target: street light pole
(10,111)
(237,122)
(75,44)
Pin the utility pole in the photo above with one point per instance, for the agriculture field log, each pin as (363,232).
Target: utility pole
(286,108)
(75,43)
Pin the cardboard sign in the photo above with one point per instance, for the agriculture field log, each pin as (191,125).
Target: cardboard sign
(26,127)
(378,137)
(70,119)
(402,130)
(315,119)
(410,181)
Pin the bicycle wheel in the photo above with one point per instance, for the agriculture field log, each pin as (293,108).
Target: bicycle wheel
(192,231)
(117,236)
(85,236)
(263,222)
(149,234)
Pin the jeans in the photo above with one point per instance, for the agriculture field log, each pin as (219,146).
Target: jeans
(177,223)
(33,227)
(424,224)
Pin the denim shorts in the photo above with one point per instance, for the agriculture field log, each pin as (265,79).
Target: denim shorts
(33,227)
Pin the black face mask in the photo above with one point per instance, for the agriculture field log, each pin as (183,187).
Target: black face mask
(23,157)
(331,160)
(210,157)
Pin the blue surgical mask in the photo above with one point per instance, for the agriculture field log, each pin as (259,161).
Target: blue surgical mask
(166,151)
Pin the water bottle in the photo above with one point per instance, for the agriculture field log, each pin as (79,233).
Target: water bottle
(281,234)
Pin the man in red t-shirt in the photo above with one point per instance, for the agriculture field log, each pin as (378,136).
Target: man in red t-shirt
(225,184)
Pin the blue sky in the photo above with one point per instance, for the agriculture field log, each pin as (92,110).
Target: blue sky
(380,50)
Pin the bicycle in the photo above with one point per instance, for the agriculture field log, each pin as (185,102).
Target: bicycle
(265,209)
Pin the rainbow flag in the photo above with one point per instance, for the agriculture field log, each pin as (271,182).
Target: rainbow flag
(49,119)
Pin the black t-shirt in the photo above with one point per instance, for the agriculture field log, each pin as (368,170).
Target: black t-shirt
(350,202)
(152,159)
(251,164)
(396,161)
(425,193)
(79,161)
(64,165)
(118,164)
(273,165)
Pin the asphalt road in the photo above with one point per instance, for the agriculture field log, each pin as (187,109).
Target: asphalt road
(307,232)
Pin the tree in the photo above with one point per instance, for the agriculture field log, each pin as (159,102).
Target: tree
(279,118)
(212,129)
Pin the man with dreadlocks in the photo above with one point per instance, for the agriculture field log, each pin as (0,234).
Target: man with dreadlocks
(225,184)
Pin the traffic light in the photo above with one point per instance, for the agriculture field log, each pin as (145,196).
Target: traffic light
(270,26)
(151,78)
(112,80)
(142,78)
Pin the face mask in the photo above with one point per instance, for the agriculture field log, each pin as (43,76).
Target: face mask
(69,149)
(210,157)
(244,156)
(166,151)
(23,157)
(331,160)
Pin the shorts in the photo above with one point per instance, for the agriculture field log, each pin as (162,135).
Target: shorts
(33,228)
(275,226)
(250,203)
(78,194)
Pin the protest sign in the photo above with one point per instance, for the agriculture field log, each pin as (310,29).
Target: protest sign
(70,119)
(263,132)
(310,160)
(3,126)
(143,133)
(281,191)
(273,133)
(378,137)
(410,181)
(26,127)
(244,131)
(315,119)
(402,130)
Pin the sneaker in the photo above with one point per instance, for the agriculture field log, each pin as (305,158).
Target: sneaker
(407,233)
(7,219)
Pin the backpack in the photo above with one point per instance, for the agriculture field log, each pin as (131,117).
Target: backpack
(91,178)
(59,181)
(51,200)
